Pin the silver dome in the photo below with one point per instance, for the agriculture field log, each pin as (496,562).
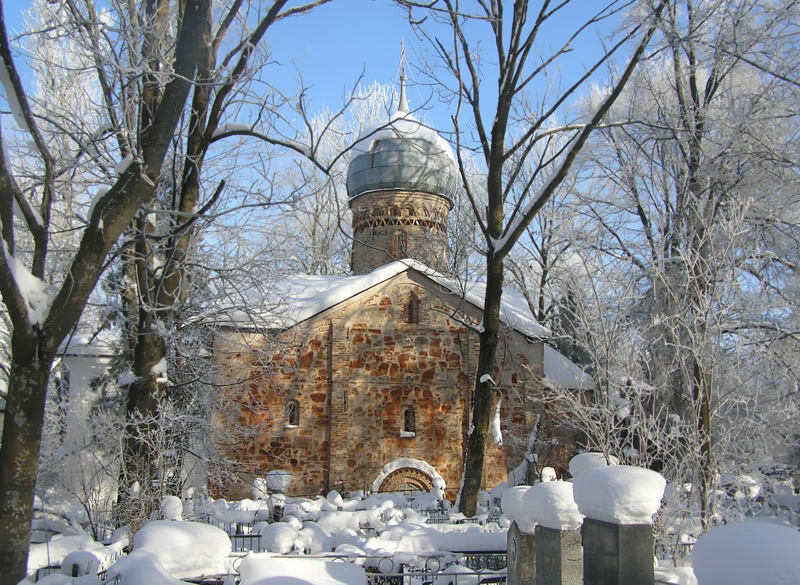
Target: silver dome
(402,154)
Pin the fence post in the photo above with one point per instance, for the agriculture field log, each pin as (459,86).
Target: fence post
(521,557)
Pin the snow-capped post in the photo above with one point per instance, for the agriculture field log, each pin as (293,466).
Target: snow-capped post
(277,504)
(558,540)
(619,503)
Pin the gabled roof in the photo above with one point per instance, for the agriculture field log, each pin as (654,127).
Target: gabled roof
(294,299)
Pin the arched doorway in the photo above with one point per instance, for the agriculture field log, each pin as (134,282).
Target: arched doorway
(406,479)
(408,474)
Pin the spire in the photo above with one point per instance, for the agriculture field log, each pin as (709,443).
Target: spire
(403,105)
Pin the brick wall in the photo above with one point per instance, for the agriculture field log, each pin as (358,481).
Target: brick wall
(378,219)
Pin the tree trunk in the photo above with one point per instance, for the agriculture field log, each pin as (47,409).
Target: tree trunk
(142,409)
(482,396)
(18,459)
(702,392)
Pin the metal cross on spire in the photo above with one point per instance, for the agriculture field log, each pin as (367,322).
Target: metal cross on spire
(403,105)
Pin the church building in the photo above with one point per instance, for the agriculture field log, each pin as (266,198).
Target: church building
(365,381)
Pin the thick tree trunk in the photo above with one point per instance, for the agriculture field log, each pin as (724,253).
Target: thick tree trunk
(18,459)
(484,391)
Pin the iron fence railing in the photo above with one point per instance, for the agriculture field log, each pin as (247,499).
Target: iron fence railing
(428,578)
(246,543)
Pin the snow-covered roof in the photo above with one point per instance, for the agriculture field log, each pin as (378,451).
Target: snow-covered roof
(561,371)
(294,299)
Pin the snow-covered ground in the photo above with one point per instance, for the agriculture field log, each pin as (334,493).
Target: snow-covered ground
(389,533)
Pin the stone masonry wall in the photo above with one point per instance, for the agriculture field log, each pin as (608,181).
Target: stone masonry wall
(354,370)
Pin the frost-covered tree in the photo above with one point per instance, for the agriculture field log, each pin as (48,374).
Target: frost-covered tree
(314,226)
(163,279)
(510,125)
(683,241)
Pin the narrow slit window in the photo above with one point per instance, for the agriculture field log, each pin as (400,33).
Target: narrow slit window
(413,308)
(409,420)
(400,244)
(293,413)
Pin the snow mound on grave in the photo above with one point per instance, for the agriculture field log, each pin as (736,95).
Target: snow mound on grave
(53,552)
(335,499)
(620,494)
(586,461)
(431,538)
(185,549)
(514,509)
(548,474)
(312,538)
(264,569)
(140,567)
(91,562)
(171,508)
(748,553)
(463,576)
(552,505)
(278,537)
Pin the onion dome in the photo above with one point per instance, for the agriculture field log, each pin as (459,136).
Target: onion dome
(402,154)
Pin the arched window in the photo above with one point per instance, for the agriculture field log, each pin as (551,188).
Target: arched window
(409,420)
(400,244)
(292,413)
(413,308)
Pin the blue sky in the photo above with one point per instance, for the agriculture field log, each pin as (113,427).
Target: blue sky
(335,42)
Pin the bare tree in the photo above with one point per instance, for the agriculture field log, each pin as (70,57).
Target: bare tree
(145,62)
(511,132)
(160,257)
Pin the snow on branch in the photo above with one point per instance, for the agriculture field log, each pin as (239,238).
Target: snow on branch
(230,130)
(12,99)
(243,130)
(31,290)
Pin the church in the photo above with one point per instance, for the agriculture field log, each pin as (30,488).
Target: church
(365,381)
